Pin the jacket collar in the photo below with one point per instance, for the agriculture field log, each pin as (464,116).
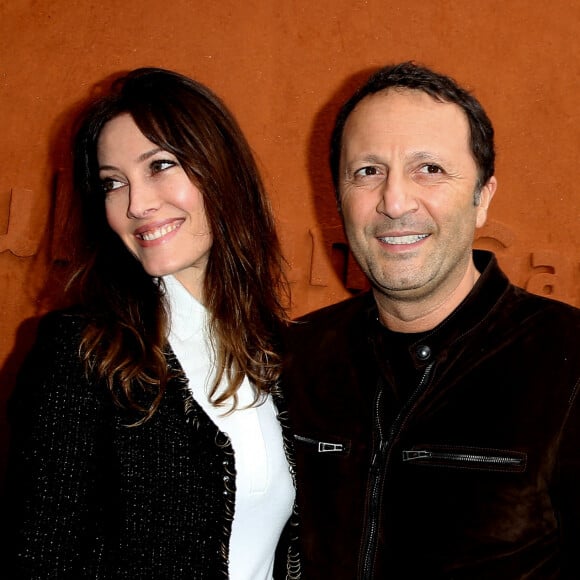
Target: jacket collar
(471,313)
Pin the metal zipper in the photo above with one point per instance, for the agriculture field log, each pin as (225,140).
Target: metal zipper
(376,478)
(377,475)
(321,446)
(461,457)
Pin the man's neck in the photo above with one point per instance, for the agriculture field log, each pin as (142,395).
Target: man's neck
(426,313)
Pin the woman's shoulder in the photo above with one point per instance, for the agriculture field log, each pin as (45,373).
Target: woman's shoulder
(53,376)
(72,319)
(60,329)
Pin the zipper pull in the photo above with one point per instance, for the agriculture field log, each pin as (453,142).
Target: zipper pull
(412,455)
(324,447)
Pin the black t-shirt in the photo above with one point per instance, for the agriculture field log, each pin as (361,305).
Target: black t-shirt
(396,363)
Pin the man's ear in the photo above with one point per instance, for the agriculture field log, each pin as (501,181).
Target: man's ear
(484,198)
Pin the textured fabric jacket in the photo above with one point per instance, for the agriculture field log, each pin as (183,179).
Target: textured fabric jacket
(477,477)
(91,498)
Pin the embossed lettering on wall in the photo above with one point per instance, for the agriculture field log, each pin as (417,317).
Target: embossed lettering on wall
(25,229)
(330,257)
(551,272)
(28,215)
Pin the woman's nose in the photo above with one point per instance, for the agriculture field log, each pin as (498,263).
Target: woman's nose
(143,201)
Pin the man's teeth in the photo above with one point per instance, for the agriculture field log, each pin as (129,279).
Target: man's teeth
(159,232)
(402,240)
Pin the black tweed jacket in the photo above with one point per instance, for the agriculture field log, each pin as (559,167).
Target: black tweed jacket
(90,497)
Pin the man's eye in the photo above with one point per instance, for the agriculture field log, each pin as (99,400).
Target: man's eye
(161,165)
(431,169)
(366,171)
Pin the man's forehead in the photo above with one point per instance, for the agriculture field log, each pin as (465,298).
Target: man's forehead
(396,98)
(406,112)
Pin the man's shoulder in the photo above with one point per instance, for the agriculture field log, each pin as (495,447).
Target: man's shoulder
(332,342)
(539,322)
(341,312)
(513,305)
(336,322)
(546,308)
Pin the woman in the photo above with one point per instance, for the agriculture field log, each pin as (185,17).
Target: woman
(145,439)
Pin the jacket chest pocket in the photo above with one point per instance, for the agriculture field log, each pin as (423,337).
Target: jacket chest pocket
(459,457)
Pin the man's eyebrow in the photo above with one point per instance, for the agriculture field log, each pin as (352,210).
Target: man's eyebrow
(367,158)
(424,156)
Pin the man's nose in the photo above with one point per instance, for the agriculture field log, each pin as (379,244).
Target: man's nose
(397,196)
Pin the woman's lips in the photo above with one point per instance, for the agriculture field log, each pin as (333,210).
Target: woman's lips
(150,234)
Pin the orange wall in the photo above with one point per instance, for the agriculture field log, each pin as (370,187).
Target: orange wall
(282,66)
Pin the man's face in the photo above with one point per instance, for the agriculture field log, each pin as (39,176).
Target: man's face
(407,186)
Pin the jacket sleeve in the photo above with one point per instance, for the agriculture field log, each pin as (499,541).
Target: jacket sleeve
(56,418)
(568,491)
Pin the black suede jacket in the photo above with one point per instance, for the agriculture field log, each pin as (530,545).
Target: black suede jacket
(477,477)
(89,497)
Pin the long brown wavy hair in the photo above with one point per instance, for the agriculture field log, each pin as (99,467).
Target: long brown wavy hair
(245,290)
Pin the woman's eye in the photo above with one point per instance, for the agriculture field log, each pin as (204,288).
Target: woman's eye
(161,165)
(110,184)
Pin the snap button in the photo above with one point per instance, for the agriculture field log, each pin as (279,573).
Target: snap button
(423,352)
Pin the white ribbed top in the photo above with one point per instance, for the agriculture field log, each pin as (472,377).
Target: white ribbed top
(264,489)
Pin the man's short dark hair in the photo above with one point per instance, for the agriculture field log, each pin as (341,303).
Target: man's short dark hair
(408,75)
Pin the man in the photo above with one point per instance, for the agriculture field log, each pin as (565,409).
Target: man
(436,417)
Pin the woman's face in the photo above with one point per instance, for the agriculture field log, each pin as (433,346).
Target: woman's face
(152,205)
